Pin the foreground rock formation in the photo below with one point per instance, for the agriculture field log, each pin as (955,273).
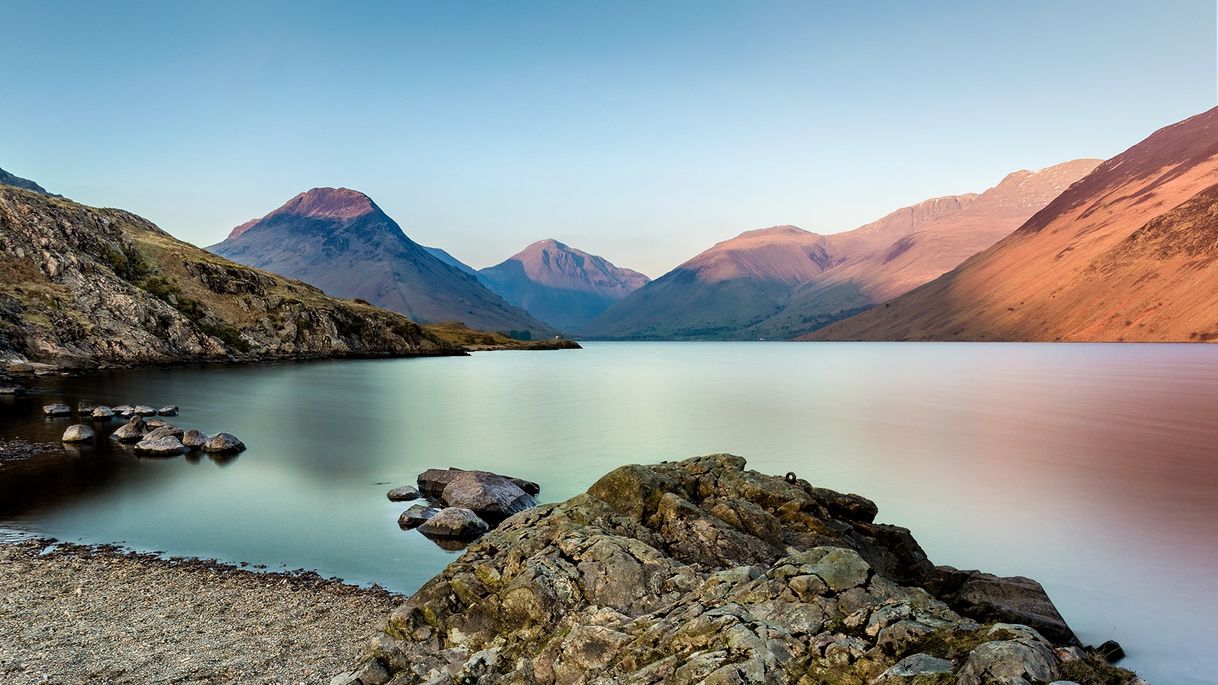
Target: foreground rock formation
(704,572)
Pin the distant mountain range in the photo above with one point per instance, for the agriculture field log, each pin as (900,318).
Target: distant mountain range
(783,281)
(1128,253)
(340,241)
(559,284)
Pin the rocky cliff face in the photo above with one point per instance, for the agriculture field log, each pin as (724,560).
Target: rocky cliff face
(704,572)
(561,285)
(340,241)
(82,286)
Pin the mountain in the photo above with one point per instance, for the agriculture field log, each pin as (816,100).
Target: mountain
(450,260)
(782,282)
(16,181)
(559,284)
(83,287)
(1128,253)
(339,240)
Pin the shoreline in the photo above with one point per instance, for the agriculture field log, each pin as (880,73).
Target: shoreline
(102,613)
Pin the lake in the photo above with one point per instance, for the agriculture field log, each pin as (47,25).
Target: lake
(1092,468)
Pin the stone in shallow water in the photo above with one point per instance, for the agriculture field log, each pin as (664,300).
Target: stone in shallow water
(404,493)
(101,413)
(132,431)
(455,523)
(143,410)
(165,431)
(194,439)
(433,481)
(164,446)
(223,443)
(416,516)
(57,410)
(168,410)
(78,433)
(491,497)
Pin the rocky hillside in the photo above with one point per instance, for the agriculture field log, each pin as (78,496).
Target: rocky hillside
(703,572)
(784,281)
(81,286)
(1126,254)
(561,285)
(339,240)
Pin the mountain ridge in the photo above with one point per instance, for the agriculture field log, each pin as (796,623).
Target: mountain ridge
(1119,256)
(559,284)
(339,240)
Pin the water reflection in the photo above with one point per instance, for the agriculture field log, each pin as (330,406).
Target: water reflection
(1089,467)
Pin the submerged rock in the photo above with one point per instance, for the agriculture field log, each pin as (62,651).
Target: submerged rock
(699,572)
(416,516)
(78,433)
(57,410)
(168,410)
(493,498)
(194,439)
(160,446)
(454,522)
(404,493)
(132,431)
(86,407)
(223,443)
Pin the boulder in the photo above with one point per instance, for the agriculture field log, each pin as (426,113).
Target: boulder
(168,410)
(404,493)
(101,413)
(78,433)
(987,597)
(915,665)
(223,443)
(433,481)
(143,410)
(194,439)
(11,390)
(454,523)
(132,431)
(57,410)
(416,516)
(1110,651)
(493,498)
(125,411)
(164,431)
(85,407)
(162,446)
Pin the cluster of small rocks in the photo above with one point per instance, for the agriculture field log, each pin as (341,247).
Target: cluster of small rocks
(462,505)
(703,572)
(148,434)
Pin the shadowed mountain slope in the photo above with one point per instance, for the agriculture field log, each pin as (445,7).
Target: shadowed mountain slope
(563,286)
(339,240)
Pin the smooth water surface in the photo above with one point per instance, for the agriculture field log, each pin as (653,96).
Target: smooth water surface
(1092,468)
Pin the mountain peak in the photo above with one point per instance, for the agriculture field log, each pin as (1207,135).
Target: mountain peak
(340,204)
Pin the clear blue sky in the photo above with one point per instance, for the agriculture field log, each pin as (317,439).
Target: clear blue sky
(642,131)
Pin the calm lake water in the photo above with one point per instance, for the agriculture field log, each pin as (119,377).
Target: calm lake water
(1092,468)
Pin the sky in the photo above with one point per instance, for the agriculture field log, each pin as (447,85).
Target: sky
(640,131)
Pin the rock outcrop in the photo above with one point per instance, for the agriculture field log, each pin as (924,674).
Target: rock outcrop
(83,287)
(703,572)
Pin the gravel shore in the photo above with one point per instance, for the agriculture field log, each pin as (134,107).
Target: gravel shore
(80,614)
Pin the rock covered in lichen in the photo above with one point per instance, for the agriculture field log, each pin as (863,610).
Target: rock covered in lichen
(700,572)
